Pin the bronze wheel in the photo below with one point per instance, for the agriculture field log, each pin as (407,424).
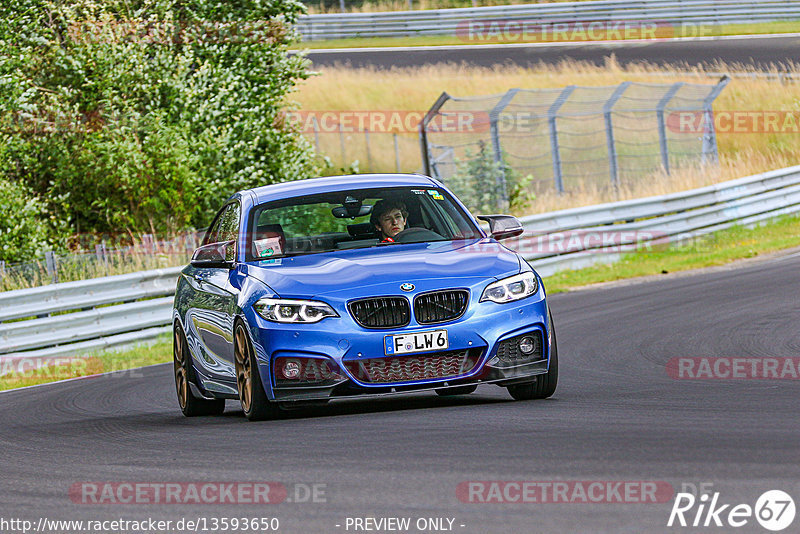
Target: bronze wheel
(244,372)
(181,382)
(184,375)
(255,404)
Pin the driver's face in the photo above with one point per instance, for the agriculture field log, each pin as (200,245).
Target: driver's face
(391,223)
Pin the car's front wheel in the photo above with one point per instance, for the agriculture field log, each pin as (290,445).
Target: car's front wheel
(184,374)
(255,404)
(545,384)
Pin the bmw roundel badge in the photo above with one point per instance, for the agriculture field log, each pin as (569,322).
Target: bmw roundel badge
(407,287)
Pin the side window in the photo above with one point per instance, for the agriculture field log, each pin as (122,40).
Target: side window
(225,226)
(229,224)
(213,231)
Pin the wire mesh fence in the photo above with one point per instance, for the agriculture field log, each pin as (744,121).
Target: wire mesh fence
(143,254)
(566,138)
(364,150)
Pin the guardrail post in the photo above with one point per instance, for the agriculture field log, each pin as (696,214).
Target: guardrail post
(494,114)
(51,264)
(662,129)
(709,131)
(612,147)
(551,121)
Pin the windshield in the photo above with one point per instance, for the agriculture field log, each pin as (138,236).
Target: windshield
(355,219)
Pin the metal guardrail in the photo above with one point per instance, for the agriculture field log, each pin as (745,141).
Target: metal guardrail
(450,21)
(60,320)
(568,239)
(94,325)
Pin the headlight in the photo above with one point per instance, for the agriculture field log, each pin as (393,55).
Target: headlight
(293,311)
(512,288)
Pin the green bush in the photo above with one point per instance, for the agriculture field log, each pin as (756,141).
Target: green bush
(144,115)
(25,229)
(488,186)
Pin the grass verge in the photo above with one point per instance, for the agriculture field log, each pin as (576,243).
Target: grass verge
(23,375)
(715,249)
(759,28)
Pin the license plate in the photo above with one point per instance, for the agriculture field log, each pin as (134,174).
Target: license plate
(417,342)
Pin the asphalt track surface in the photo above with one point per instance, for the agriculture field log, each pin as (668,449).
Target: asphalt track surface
(617,416)
(760,53)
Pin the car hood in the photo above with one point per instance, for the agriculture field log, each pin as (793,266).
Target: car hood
(353,272)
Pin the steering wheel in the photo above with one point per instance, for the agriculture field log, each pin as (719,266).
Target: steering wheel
(416,235)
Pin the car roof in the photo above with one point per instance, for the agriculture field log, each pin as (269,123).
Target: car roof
(312,186)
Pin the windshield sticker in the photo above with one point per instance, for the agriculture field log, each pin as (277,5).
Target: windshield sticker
(264,263)
(268,247)
(435,194)
(418,191)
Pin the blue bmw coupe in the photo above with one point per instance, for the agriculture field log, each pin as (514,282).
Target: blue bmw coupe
(352,286)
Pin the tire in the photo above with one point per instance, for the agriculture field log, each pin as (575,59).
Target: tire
(255,404)
(183,370)
(545,384)
(463,390)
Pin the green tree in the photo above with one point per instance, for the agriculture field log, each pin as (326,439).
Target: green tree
(144,115)
(25,229)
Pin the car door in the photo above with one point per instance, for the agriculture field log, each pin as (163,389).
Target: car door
(212,305)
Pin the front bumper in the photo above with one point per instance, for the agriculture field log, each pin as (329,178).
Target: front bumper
(341,343)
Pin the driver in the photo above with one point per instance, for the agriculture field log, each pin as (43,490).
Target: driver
(389,218)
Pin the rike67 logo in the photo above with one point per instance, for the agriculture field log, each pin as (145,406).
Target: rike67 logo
(774,510)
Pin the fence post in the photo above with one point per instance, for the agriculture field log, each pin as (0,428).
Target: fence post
(369,156)
(148,243)
(662,129)
(316,134)
(2,269)
(341,144)
(494,114)
(612,148)
(51,264)
(396,153)
(551,121)
(709,131)
(423,132)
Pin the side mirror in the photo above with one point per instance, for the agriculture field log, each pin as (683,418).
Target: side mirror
(215,255)
(503,226)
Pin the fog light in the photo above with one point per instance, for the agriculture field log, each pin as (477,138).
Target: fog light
(527,345)
(291,369)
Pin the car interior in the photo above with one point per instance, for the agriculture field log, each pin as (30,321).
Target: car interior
(350,217)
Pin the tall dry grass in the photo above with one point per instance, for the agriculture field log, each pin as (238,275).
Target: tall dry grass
(741,154)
